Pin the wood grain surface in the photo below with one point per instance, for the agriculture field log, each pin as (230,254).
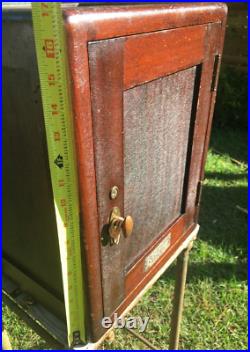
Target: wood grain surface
(106,74)
(169,53)
(139,75)
(112,21)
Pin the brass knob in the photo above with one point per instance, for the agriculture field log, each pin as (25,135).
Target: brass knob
(128,225)
(118,224)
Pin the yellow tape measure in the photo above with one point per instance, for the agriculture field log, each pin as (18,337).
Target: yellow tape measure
(54,77)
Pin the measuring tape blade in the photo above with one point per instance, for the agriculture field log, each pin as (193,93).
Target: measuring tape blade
(54,77)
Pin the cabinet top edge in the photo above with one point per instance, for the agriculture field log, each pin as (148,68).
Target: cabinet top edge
(94,22)
(104,22)
(97,12)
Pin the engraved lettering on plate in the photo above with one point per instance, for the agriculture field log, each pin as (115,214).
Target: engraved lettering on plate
(157,252)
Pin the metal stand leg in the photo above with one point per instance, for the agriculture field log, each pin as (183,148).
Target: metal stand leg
(181,275)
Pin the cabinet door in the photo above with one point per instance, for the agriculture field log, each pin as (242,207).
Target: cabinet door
(150,97)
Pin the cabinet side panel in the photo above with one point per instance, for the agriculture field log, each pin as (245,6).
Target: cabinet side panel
(29,227)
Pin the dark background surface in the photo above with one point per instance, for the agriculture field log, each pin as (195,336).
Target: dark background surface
(231,105)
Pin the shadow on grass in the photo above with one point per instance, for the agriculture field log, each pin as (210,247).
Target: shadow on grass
(222,224)
(224,177)
(216,271)
(232,142)
(223,227)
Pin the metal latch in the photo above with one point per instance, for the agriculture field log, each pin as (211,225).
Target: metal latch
(119,225)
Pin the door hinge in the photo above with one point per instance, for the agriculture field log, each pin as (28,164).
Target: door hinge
(215,70)
(198,193)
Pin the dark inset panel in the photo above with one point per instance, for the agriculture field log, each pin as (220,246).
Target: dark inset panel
(30,239)
(156,130)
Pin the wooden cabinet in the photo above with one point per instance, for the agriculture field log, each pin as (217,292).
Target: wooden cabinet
(144,83)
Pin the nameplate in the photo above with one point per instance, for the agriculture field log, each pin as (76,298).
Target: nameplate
(159,250)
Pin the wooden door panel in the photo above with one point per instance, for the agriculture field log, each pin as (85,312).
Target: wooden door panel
(113,50)
(144,121)
(153,55)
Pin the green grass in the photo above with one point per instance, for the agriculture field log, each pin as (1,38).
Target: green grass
(215,315)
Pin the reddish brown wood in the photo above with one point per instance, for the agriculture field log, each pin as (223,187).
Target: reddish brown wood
(201,123)
(137,273)
(87,179)
(116,21)
(151,133)
(114,65)
(169,52)
(218,50)
(220,28)
(134,288)
(141,82)
(106,73)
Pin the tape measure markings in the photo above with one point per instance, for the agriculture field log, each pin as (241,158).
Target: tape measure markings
(54,79)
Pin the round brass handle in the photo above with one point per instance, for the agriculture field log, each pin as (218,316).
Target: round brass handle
(118,224)
(128,225)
